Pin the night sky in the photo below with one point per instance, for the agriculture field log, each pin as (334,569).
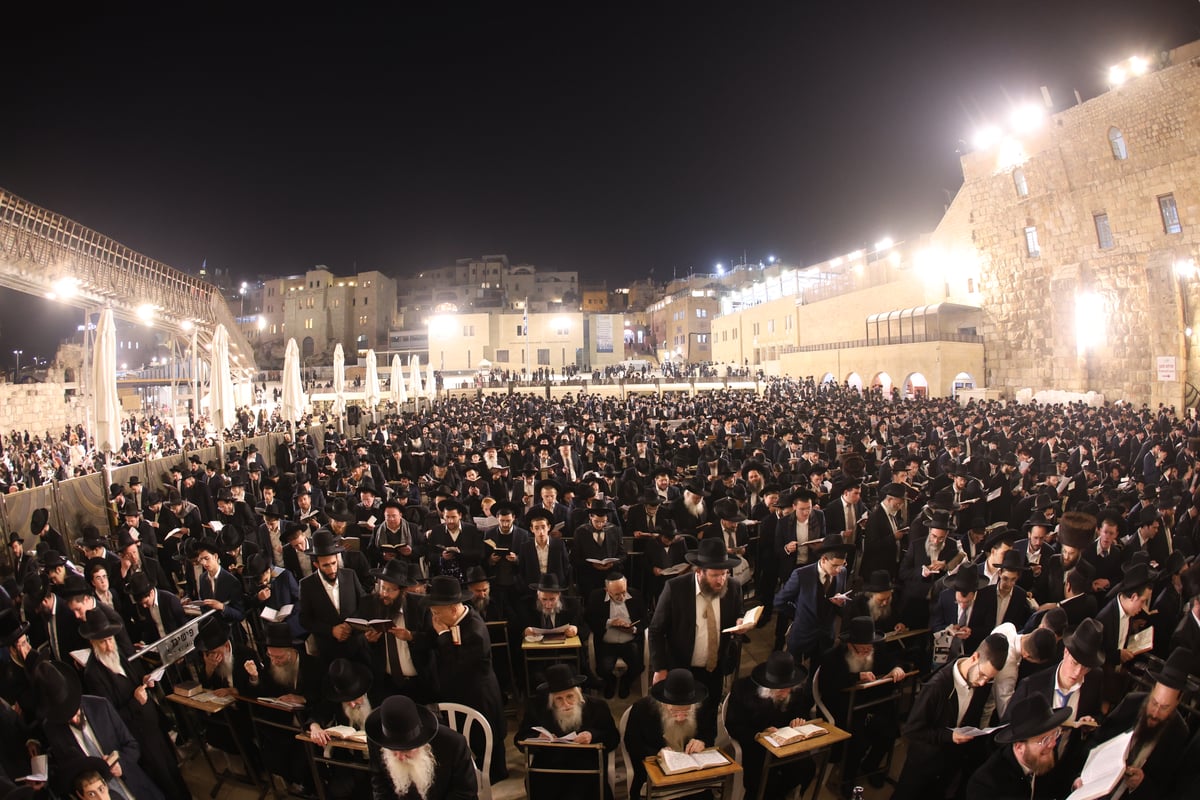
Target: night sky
(615,141)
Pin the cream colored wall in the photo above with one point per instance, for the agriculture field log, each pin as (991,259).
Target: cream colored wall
(450,349)
(939,362)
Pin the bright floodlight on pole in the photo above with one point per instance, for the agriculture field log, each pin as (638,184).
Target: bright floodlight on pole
(1027,118)
(145,312)
(1117,75)
(885,243)
(1138,65)
(186,325)
(986,137)
(770,259)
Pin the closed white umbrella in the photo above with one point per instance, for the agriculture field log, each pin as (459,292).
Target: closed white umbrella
(220,381)
(104,380)
(399,390)
(372,387)
(339,384)
(417,391)
(292,401)
(431,383)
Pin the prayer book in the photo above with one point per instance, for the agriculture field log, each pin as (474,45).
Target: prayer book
(673,762)
(789,735)
(273,615)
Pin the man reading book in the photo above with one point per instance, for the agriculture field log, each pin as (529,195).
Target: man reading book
(667,718)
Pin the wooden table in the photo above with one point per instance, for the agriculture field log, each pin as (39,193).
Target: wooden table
(215,712)
(316,755)
(548,652)
(817,748)
(530,746)
(659,784)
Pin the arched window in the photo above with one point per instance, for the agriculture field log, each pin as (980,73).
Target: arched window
(1117,141)
(1018,176)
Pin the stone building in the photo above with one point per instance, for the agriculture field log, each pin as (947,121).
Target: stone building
(1086,232)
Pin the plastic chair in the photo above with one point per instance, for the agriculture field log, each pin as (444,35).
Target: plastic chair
(625,753)
(816,690)
(464,719)
(731,745)
(646,674)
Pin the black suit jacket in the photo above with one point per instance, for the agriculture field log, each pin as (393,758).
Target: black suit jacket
(934,713)
(318,615)
(881,549)
(672,630)
(598,609)
(171,611)
(1163,764)
(1187,634)
(112,735)
(986,604)
(557,563)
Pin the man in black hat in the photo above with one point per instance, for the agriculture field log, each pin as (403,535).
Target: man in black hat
(954,697)
(345,701)
(774,695)
(77,725)
(22,563)
(884,537)
(594,548)
(462,652)
(132,559)
(927,560)
(1028,755)
(544,555)
(690,620)
(397,658)
(669,717)
(297,554)
(159,611)
(125,684)
(548,492)
(813,598)
(502,546)
(860,657)
(455,546)
(1187,632)
(1125,614)
(561,708)
(413,757)
(39,526)
(395,536)
(692,514)
(58,621)
(1106,555)
(1159,731)
(16,685)
(327,598)
(794,534)
(1148,538)
(218,588)
(1005,601)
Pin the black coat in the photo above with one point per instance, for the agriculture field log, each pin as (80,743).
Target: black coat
(1001,778)
(1161,767)
(318,615)
(112,735)
(171,611)
(454,779)
(644,737)
(672,630)
(932,754)
(597,720)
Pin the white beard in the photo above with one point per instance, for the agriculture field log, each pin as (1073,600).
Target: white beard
(111,660)
(678,734)
(568,721)
(780,702)
(417,771)
(357,717)
(286,675)
(932,550)
(878,612)
(858,663)
(695,509)
(224,670)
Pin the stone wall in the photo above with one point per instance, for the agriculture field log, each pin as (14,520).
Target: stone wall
(39,407)
(1034,339)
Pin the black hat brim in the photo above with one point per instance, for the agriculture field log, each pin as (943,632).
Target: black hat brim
(426,731)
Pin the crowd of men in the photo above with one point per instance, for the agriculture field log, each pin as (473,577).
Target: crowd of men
(1026,567)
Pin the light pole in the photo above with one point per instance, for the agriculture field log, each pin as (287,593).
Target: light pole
(17,374)
(242,292)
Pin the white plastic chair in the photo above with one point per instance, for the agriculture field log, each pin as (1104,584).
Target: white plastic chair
(816,690)
(464,719)
(625,753)
(646,674)
(731,745)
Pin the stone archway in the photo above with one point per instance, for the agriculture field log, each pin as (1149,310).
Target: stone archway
(828,378)
(962,380)
(854,380)
(916,385)
(307,347)
(883,382)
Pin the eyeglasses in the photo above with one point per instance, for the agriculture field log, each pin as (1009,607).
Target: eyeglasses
(1050,738)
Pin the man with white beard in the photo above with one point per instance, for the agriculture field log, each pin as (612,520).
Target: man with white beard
(125,684)
(344,701)
(561,708)
(692,513)
(774,695)
(667,718)
(413,757)
(223,674)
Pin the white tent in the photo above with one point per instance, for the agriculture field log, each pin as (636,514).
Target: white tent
(399,390)
(417,391)
(339,384)
(431,383)
(104,381)
(221,404)
(372,381)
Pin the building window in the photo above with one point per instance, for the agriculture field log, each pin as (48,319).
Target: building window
(362,320)
(308,324)
(1032,249)
(770,326)
(702,338)
(1103,232)
(502,355)
(468,330)
(543,356)
(366,300)
(337,302)
(701,313)
(1116,140)
(520,330)
(787,323)
(735,334)
(1022,187)
(1170,214)
(756,328)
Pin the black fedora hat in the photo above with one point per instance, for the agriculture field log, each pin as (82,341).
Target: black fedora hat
(139,585)
(1013,561)
(679,688)
(1137,575)
(779,671)
(11,628)
(548,583)
(834,543)
(696,487)
(966,580)
(728,510)
(96,625)
(1032,717)
(1000,534)
(278,634)
(476,575)
(1174,672)
(861,630)
(539,512)
(1086,643)
(444,590)
(346,680)
(213,633)
(401,724)
(395,571)
(712,554)
(941,519)
(326,543)
(560,678)
(73,586)
(60,689)
(338,511)
(880,580)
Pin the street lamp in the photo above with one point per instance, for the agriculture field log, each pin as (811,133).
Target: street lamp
(17,353)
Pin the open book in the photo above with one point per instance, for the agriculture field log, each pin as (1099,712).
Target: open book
(1142,641)
(81,656)
(968,730)
(678,569)
(216,525)
(749,620)
(789,735)
(381,625)
(672,762)
(1104,769)
(566,737)
(347,732)
(551,634)
(176,532)
(280,702)
(273,615)
(602,561)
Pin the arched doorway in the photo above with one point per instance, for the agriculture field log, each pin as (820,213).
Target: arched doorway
(307,347)
(962,380)
(854,381)
(916,385)
(828,378)
(883,382)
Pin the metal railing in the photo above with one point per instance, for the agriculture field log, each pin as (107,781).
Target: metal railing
(967,338)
